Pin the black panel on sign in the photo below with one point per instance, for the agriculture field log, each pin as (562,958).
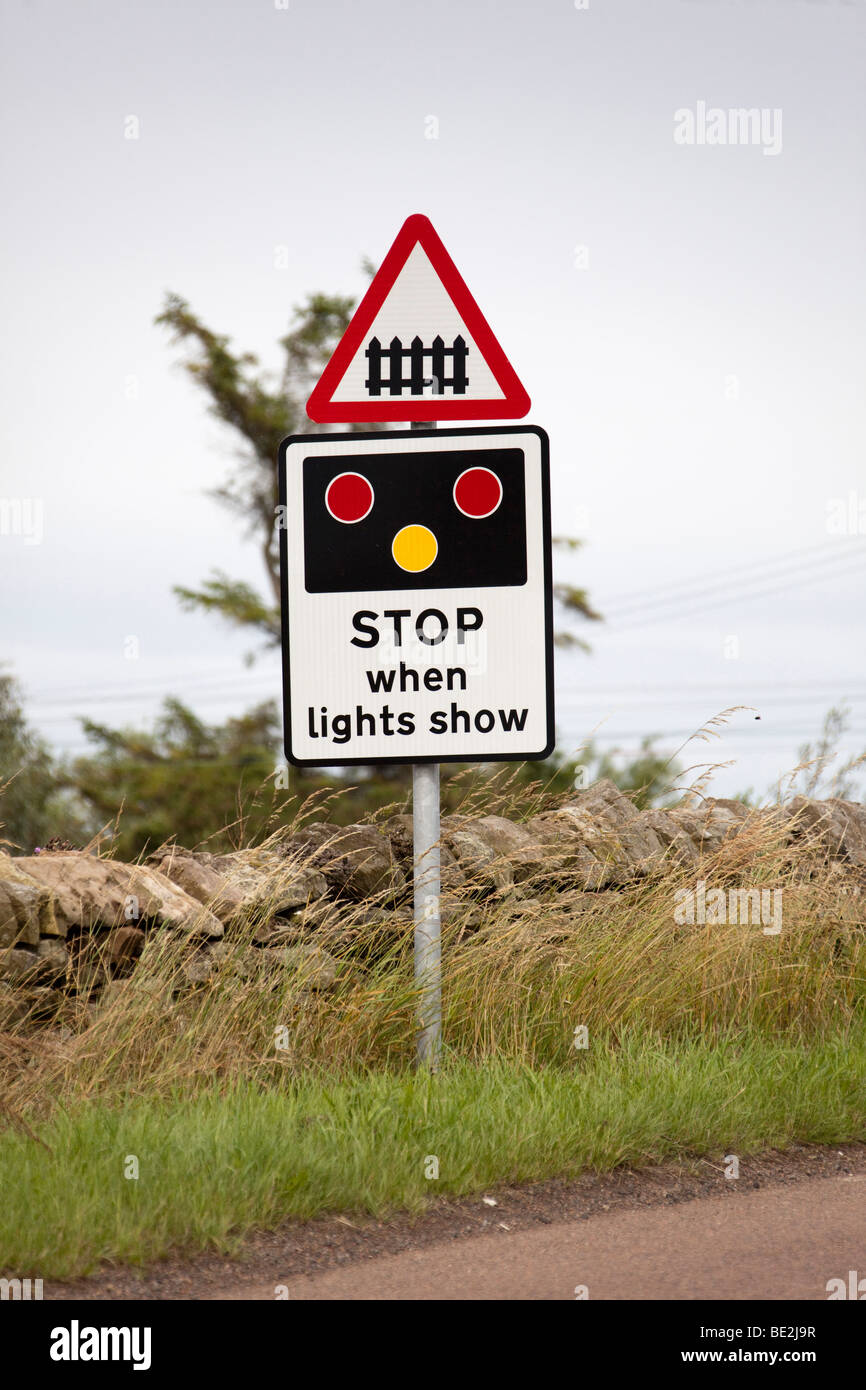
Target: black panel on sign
(415,490)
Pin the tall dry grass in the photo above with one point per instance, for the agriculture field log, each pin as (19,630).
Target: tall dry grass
(519,976)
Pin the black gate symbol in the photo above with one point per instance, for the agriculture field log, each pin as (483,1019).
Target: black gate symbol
(416,352)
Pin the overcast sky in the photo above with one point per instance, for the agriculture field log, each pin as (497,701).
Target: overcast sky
(688,319)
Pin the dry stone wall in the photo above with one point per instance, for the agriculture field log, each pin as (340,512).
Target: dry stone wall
(71,923)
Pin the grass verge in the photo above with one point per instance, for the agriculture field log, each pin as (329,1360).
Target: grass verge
(216,1162)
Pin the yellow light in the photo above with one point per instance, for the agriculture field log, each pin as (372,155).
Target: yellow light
(414,548)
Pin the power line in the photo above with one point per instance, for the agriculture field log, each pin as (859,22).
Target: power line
(639,598)
(743,699)
(643,695)
(165,685)
(733,588)
(730,598)
(661,686)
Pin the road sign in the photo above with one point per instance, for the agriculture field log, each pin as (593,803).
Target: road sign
(416,596)
(418,347)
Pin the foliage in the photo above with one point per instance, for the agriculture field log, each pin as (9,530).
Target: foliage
(647,778)
(33,803)
(814,775)
(215,786)
(261,411)
(183,779)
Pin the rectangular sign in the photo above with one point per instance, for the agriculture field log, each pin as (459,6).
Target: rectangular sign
(416,596)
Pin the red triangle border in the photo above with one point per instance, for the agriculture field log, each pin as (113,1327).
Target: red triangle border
(417,230)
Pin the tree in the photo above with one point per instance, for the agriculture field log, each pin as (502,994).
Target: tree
(814,775)
(572,599)
(215,786)
(183,779)
(33,804)
(647,777)
(261,412)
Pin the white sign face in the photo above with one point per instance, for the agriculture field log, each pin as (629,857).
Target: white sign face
(416,591)
(419,306)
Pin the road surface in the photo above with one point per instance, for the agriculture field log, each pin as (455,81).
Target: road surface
(790,1222)
(781,1243)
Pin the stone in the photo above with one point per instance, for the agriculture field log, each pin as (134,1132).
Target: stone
(528,922)
(460,913)
(503,836)
(26,906)
(140,989)
(13,1006)
(35,1003)
(270,882)
(88,964)
(681,848)
(199,968)
(280,931)
(709,824)
(17,963)
(330,898)
(578,903)
(558,854)
(398,830)
(356,860)
(53,958)
(318,970)
(811,903)
(123,946)
(196,875)
(155,987)
(480,865)
(839,825)
(90,892)
(312,917)
(608,824)
(372,930)
(114,992)
(243,884)
(524,848)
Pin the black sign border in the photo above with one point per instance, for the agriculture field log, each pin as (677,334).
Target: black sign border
(417,435)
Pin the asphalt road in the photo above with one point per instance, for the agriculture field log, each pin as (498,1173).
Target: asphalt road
(779,1243)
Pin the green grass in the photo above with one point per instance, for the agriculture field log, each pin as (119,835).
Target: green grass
(704,1040)
(217,1161)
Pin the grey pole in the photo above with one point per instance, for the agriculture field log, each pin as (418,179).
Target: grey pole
(428,944)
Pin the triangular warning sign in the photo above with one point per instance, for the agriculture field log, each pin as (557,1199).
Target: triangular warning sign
(418,347)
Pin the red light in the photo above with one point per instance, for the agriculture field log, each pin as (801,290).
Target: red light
(349,497)
(477,492)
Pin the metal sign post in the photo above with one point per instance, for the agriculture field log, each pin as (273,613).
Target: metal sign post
(426,881)
(428,942)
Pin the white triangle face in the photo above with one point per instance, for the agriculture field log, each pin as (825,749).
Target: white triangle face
(418,305)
